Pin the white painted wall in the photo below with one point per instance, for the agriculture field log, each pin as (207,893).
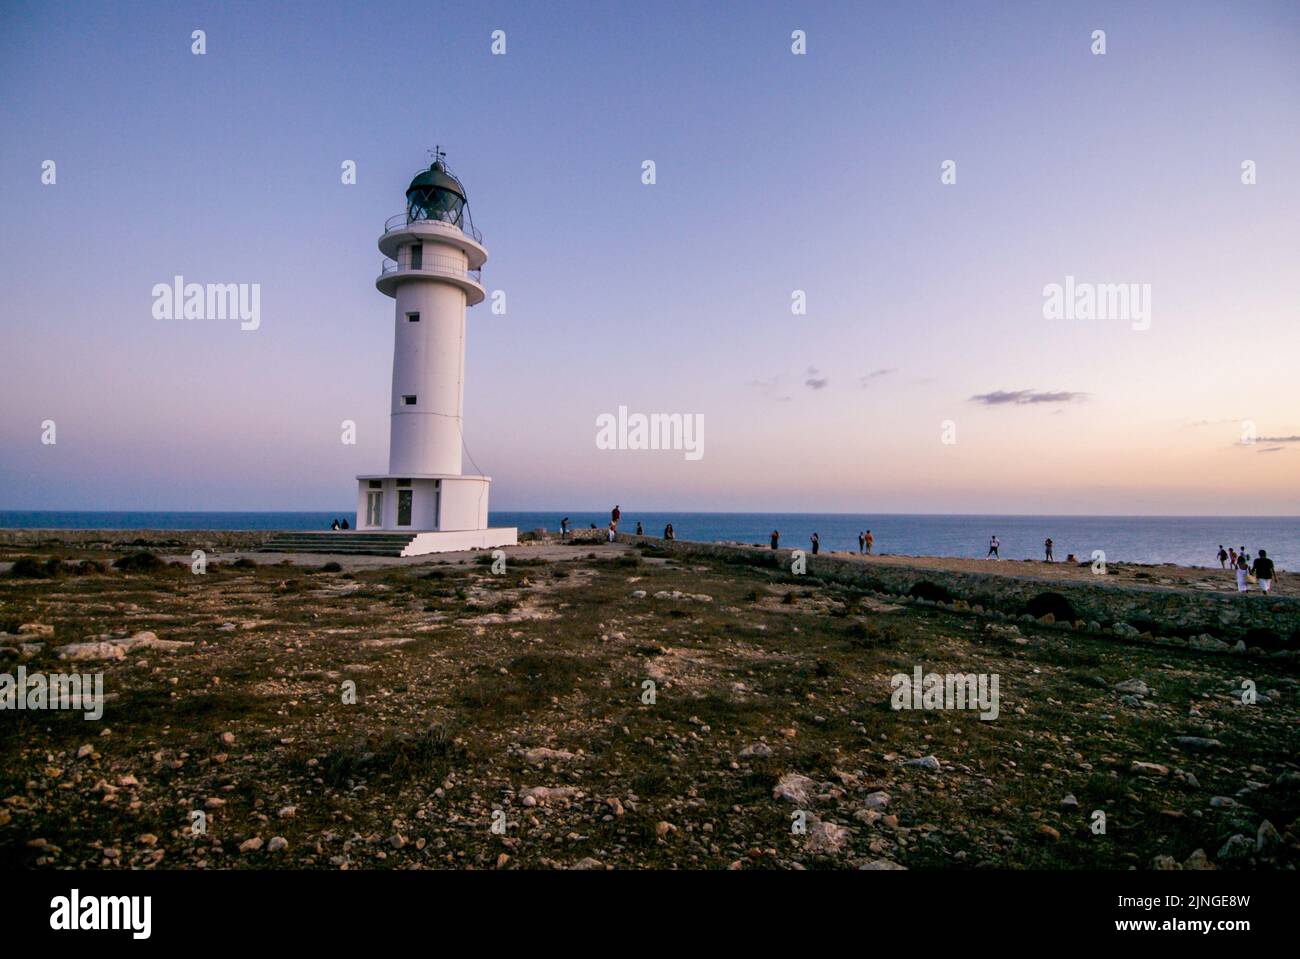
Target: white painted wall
(465,503)
(428,363)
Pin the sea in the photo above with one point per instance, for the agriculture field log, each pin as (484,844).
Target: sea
(1184,540)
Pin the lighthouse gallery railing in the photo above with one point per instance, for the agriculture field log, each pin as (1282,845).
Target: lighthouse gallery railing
(431,263)
(403,220)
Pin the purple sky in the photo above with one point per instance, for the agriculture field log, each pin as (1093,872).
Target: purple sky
(775,173)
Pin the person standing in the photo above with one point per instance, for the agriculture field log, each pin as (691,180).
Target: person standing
(870,542)
(816,543)
(776,539)
(993,548)
(1223,557)
(614,516)
(1048,547)
(668,531)
(862,542)
(1232,557)
(639,530)
(612,528)
(1263,570)
(564,528)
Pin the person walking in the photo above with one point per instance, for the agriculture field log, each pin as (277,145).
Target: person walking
(1243,567)
(870,542)
(776,539)
(1263,570)
(994,543)
(1048,547)
(1223,557)
(816,543)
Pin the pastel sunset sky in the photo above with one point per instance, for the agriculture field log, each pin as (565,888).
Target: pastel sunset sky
(775,172)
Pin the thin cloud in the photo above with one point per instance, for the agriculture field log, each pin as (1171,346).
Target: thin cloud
(1026,397)
(1278,439)
(877,374)
(815,381)
(768,386)
(1272,449)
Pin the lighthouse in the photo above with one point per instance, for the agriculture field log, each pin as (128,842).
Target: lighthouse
(433,256)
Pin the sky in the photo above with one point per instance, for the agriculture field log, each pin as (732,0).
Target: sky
(923,375)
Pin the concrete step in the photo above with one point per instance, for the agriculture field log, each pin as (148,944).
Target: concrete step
(340,541)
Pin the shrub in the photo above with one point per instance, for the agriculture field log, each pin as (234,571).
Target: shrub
(28,567)
(244,562)
(331,567)
(1062,609)
(931,591)
(1264,638)
(141,562)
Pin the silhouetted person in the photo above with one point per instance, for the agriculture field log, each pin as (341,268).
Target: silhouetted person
(862,542)
(564,528)
(344,525)
(776,539)
(639,530)
(816,543)
(1223,557)
(994,543)
(334,525)
(871,540)
(1048,547)
(614,516)
(668,531)
(1263,570)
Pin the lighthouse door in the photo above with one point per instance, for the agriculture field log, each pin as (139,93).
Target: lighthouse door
(404,507)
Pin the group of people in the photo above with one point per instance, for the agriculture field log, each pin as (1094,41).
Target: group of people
(995,544)
(1260,572)
(611,531)
(865,541)
(340,525)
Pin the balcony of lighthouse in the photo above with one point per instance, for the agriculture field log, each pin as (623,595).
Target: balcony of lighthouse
(429,263)
(449,228)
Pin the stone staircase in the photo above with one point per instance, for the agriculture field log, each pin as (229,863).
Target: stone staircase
(352,542)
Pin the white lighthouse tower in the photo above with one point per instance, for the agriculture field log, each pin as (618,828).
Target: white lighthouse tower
(433,258)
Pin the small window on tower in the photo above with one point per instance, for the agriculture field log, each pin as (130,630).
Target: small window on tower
(408,400)
(413,317)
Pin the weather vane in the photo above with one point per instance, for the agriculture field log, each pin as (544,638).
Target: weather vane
(437,153)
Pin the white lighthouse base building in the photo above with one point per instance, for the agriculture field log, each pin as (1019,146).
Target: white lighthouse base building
(442,512)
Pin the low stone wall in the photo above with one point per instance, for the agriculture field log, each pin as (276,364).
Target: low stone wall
(15,540)
(1126,610)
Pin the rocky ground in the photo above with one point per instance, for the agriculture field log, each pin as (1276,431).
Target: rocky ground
(598,706)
